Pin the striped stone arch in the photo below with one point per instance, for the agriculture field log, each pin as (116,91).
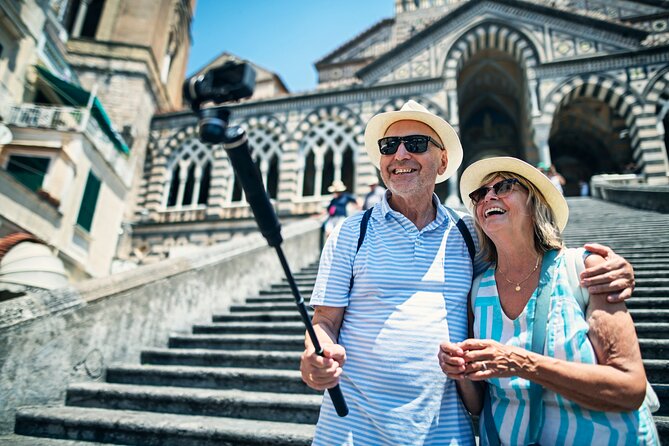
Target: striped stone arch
(328,136)
(188,173)
(657,89)
(624,102)
(397,103)
(491,35)
(656,95)
(266,138)
(160,150)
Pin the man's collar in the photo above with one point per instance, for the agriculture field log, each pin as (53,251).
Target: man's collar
(441,212)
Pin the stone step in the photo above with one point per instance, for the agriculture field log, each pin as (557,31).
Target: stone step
(286,291)
(293,408)
(248,379)
(279,299)
(652,282)
(657,370)
(146,428)
(642,291)
(259,316)
(284,360)
(251,327)
(263,306)
(652,329)
(654,315)
(647,302)
(239,342)
(21,440)
(642,274)
(654,348)
(285,288)
(662,391)
(662,423)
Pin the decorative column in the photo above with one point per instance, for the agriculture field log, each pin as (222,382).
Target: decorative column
(81,16)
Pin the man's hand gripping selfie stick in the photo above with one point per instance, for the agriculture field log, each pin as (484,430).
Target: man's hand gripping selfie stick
(236,146)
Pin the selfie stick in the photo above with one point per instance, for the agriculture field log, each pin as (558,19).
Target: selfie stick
(236,146)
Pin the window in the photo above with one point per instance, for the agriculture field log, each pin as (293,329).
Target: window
(28,170)
(189,176)
(88,202)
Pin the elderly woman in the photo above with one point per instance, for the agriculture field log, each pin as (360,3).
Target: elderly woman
(586,383)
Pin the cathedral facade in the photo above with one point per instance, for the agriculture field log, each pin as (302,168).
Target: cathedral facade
(581,84)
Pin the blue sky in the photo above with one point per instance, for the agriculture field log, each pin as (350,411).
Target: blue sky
(284,36)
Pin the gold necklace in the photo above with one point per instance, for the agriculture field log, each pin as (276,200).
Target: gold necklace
(517,284)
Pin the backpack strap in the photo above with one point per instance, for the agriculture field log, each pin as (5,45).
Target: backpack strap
(363,227)
(361,238)
(464,230)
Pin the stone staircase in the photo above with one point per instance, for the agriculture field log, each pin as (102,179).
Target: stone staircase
(235,381)
(642,237)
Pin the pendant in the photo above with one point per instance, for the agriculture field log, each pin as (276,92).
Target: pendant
(517,287)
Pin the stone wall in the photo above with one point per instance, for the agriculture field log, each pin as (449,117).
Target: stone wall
(51,339)
(650,198)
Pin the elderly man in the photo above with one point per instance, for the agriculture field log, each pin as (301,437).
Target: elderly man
(383,309)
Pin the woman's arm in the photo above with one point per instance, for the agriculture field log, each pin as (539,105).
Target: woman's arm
(616,383)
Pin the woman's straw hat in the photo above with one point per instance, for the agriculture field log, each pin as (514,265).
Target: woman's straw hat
(473,176)
(413,111)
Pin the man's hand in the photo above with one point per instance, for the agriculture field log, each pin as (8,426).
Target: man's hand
(322,372)
(614,277)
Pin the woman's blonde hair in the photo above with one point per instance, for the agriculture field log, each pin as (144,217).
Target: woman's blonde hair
(547,236)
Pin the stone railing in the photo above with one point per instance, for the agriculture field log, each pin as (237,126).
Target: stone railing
(59,118)
(630,190)
(53,338)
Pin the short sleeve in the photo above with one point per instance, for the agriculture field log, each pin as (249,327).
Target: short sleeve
(332,287)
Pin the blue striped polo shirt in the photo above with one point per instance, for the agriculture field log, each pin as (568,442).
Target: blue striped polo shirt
(409,294)
(565,422)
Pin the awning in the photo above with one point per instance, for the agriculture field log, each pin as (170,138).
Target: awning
(76,96)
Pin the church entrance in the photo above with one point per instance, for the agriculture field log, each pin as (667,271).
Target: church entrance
(492,98)
(587,138)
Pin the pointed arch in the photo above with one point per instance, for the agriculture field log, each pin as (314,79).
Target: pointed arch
(188,175)
(266,137)
(330,139)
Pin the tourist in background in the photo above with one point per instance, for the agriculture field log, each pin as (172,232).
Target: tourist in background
(375,195)
(551,172)
(337,209)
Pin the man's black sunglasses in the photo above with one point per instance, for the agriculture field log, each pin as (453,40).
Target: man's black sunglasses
(412,143)
(501,189)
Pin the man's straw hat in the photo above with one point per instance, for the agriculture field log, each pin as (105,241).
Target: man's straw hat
(413,111)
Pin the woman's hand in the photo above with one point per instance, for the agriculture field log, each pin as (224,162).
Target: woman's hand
(451,360)
(485,359)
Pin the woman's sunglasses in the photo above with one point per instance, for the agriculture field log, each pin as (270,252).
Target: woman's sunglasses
(412,143)
(501,189)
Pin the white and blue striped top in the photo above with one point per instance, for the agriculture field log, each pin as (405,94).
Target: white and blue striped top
(565,422)
(409,293)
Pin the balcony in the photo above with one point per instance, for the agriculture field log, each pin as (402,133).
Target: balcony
(71,119)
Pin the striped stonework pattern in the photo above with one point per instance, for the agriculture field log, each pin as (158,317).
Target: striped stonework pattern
(657,99)
(499,37)
(639,118)
(329,146)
